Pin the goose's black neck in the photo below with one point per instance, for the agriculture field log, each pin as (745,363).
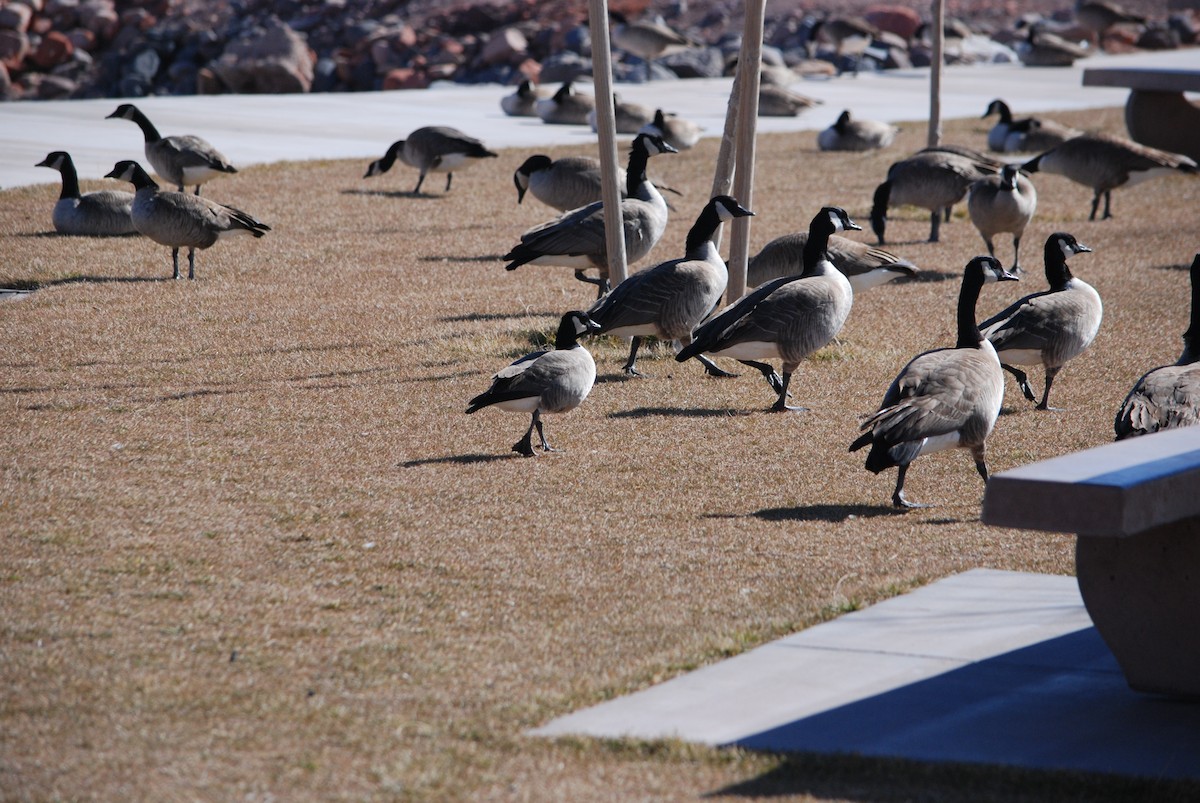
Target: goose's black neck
(389,158)
(148,130)
(816,247)
(1057,271)
(1191,338)
(567,336)
(704,229)
(1005,112)
(969,336)
(635,174)
(70,179)
(141,179)
(843,120)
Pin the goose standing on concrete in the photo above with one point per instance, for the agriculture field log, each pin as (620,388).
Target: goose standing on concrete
(677,132)
(577,240)
(669,300)
(945,398)
(1026,135)
(567,106)
(1168,397)
(1048,328)
(522,102)
(181,220)
(933,179)
(785,319)
(1003,203)
(848,134)
(103,213)
(864,265)
(1105,162)
(547,381)
(181,159)
(432,149)
(565,184)
(646,39)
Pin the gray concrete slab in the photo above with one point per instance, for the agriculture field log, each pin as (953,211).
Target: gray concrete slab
(253,129)
(984,667)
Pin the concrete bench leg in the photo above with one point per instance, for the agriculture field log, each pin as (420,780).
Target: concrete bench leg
(1143,594)
(1163,120)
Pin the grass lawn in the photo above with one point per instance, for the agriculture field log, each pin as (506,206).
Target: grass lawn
(253,549)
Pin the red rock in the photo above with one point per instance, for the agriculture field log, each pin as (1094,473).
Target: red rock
(54,49)
(896,19)
(405,78)
(274,59)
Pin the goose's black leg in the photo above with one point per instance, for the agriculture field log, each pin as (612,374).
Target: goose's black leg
(449,178)
(537,422)
(420,181)
(191,263)
(1044,403)
(630,366)
(935,223)
(175,262)
(768,374)
(781,405)
(898,499)
(1095,205)
(524,446)
(1022,380)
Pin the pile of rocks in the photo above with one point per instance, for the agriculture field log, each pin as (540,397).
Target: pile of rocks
(133,48)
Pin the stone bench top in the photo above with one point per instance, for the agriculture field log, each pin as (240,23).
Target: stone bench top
(1117,489)
(1144,78)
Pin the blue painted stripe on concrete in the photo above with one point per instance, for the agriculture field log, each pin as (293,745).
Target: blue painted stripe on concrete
(1148,472)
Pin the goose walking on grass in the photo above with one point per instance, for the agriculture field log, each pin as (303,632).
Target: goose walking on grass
(1003,203)
(1024,135)
(669,300)
(181,159)
(1168,397)
(786,319)
(1051,327)
(181,220)
(848,134)
(945,398)
(865,266)
(933,179)
(576,239)
(432,149)
(1104,163)
(547,381)
(103,213)
(566,183)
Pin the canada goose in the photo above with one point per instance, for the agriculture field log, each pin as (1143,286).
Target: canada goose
(646,39)
(1097,16)
(1105,162)
(97,214)
(933,179)
(629,118)
(521,102)
(944,398)
(1168,397)
(669,300)
(785,319)
(1024,135)
(576,239)
(778,101)
(865,266)
(181,159)
(856,135)
(432,149)
(567,106)
(547,381)
(565,184)
(181,220)
(1003,203)
(677,132)
(1051,327)
(1041,48)
(849,35)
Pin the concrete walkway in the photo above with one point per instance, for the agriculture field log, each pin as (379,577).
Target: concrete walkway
(984,667)
(252,129)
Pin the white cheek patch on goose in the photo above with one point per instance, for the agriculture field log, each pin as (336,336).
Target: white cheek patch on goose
(836,221)
(1067,250)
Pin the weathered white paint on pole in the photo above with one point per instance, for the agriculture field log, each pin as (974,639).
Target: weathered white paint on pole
(935,73)
(606,127)
(749,67)
(723,177)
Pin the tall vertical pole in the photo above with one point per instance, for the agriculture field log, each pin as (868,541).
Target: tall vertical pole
(723,176)
(935,73)
(749,67)
(606,127)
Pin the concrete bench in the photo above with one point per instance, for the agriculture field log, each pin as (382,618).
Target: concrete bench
(1157,113)
(1135,507)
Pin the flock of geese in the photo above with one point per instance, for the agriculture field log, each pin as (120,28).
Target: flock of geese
(803,284)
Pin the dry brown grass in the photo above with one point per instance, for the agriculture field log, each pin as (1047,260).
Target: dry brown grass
(253,547)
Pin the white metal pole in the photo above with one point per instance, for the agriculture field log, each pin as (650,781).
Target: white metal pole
(749,67)
(606,126)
